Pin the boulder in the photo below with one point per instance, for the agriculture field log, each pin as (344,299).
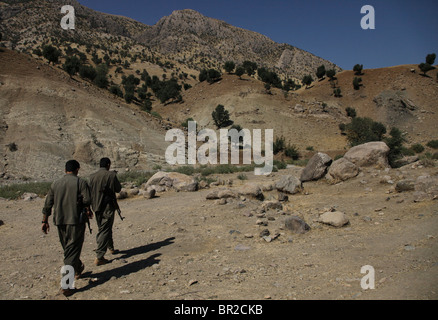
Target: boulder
(149,193)
(405,185)
(123,194)
(316,168)
(175,180)
(289,184)
(28,196)
(369,154)
(272,204)
(426,188)
(341,170)
(251,190)
(220,194)
(334,218)
(296,225)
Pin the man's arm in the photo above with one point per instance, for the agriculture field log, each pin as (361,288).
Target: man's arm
(47,210)
(117,187)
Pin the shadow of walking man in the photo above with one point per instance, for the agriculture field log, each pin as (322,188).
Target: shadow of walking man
(129,268)
(145,248)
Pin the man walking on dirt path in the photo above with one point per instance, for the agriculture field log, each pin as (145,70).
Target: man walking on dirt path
(68,197)
(104,185)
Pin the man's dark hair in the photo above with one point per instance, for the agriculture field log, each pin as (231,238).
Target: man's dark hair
(72,165)
(105,162)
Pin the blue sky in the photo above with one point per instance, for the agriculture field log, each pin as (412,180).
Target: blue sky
(405,31)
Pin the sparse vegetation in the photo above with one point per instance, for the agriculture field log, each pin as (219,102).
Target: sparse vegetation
(229,66)
(418,148)
(351,112)
(432,144)
(357,83)
(362,130)
(15,191)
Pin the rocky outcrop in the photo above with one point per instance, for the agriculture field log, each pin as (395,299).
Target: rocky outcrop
(189,33)
(369,154)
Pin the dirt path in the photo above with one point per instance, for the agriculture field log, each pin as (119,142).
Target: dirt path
(182,246)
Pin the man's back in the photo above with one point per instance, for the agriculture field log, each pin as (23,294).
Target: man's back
(103,183)
(63,196)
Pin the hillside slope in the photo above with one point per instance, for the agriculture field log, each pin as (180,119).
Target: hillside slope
(47,118)
(310,117)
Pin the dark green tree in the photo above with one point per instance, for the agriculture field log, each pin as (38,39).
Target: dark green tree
(221,117)
(362,130)
(229,66)
(358,69)
(87,72)
(320,72)
(72,65)
(351,112)
(101,79)
(250,67)
(357,83)
(395,144)
(51,53)
(332,76)
(425,67)
(307,80)
(430,58)
(240,71)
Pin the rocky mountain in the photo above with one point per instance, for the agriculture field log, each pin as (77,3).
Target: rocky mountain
(186,37)
(190,36)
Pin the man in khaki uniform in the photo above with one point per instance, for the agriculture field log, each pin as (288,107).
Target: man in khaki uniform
(63,198)
(104,185)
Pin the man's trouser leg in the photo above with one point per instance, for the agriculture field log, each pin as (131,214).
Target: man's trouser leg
(72,239)
(104,237)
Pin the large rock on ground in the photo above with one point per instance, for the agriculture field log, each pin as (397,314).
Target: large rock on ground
(176,180)
(369,154)
(222,193)
(296,225)
(426,188)
(251,190)
(341,170)
(316,168)
(289,184)
(334,218)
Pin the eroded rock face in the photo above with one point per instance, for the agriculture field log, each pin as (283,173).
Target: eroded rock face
(316,168)
(369,154)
